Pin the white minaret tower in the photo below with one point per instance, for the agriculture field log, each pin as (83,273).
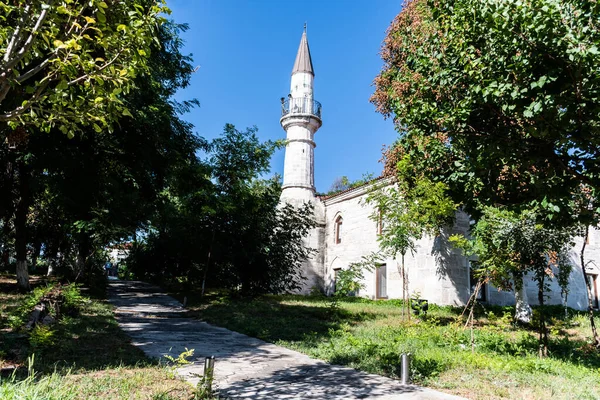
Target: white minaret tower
(300,118)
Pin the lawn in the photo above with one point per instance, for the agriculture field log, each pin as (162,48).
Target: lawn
(83,356)
(371,335)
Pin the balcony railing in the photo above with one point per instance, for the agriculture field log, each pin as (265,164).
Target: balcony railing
(300,105)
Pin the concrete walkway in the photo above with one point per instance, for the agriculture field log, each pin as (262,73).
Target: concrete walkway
(245,368)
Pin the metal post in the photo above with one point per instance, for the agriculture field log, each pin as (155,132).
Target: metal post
(405,372)
(207,378)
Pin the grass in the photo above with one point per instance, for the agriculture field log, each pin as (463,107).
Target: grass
(82,356)
(371,335)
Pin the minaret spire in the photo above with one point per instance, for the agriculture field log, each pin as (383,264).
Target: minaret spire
(303,60)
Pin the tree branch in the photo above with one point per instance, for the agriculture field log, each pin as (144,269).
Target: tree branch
(4,88)
(83,77)
(33,71)
(29,42)
(21,109)
(15,35)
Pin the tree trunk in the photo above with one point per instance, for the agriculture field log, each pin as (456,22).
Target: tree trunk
(588,289)
(543,332)
(9,211)
(37,248)
(404,301)
(406,295)
(207,264)
(83,250)
(5,235)
(21,228)
(22,275)
(523,310)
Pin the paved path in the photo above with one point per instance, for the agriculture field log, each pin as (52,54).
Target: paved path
(245,368)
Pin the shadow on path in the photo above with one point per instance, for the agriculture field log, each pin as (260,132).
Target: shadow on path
(245,367)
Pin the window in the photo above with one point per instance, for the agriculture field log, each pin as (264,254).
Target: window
(338,229)
(381,282)
(482,295)
(336,271)
(593,282)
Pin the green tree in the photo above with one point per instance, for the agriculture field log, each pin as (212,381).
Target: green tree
(498,100)
(222,225)
(405,211)
(97,188)
(502,97)
(66,64)
(508,245)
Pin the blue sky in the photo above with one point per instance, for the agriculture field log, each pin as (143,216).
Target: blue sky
(246,51)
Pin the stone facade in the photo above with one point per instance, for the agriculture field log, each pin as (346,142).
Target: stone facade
(437,271)
(345,230)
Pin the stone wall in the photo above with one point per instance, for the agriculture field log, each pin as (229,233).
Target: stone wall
(437,271)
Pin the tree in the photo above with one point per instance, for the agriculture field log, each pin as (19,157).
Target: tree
(343,183)
(501,97)
(339,184)
(498,100)
(405,211)
(66,64)
(222,225)
(97,188)
(508,245)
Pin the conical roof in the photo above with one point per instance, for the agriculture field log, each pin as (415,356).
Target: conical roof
(303,61)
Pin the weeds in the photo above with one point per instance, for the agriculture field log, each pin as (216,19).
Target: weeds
(83,355)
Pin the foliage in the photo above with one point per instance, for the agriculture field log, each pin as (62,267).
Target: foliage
(21,313)
(227,228)
(182,358)
(67,64)
(405,211)
(98,188)
(349,281)
(41,336)
(499,100)
(343,183)
(508,246)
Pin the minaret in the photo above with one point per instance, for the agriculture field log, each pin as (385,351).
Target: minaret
(300,118)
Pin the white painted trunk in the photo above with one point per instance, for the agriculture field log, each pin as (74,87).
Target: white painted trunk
(22,275)
(523,310)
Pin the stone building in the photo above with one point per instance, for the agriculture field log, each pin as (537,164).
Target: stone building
(345,230)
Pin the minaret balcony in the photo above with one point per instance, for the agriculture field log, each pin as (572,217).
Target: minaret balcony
(300,106)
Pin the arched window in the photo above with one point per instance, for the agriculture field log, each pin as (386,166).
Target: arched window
(338,229)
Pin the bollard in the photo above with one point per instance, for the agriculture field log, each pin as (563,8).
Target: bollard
(405,372)
(207,378)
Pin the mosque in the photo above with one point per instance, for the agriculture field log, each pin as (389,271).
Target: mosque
(345,231)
